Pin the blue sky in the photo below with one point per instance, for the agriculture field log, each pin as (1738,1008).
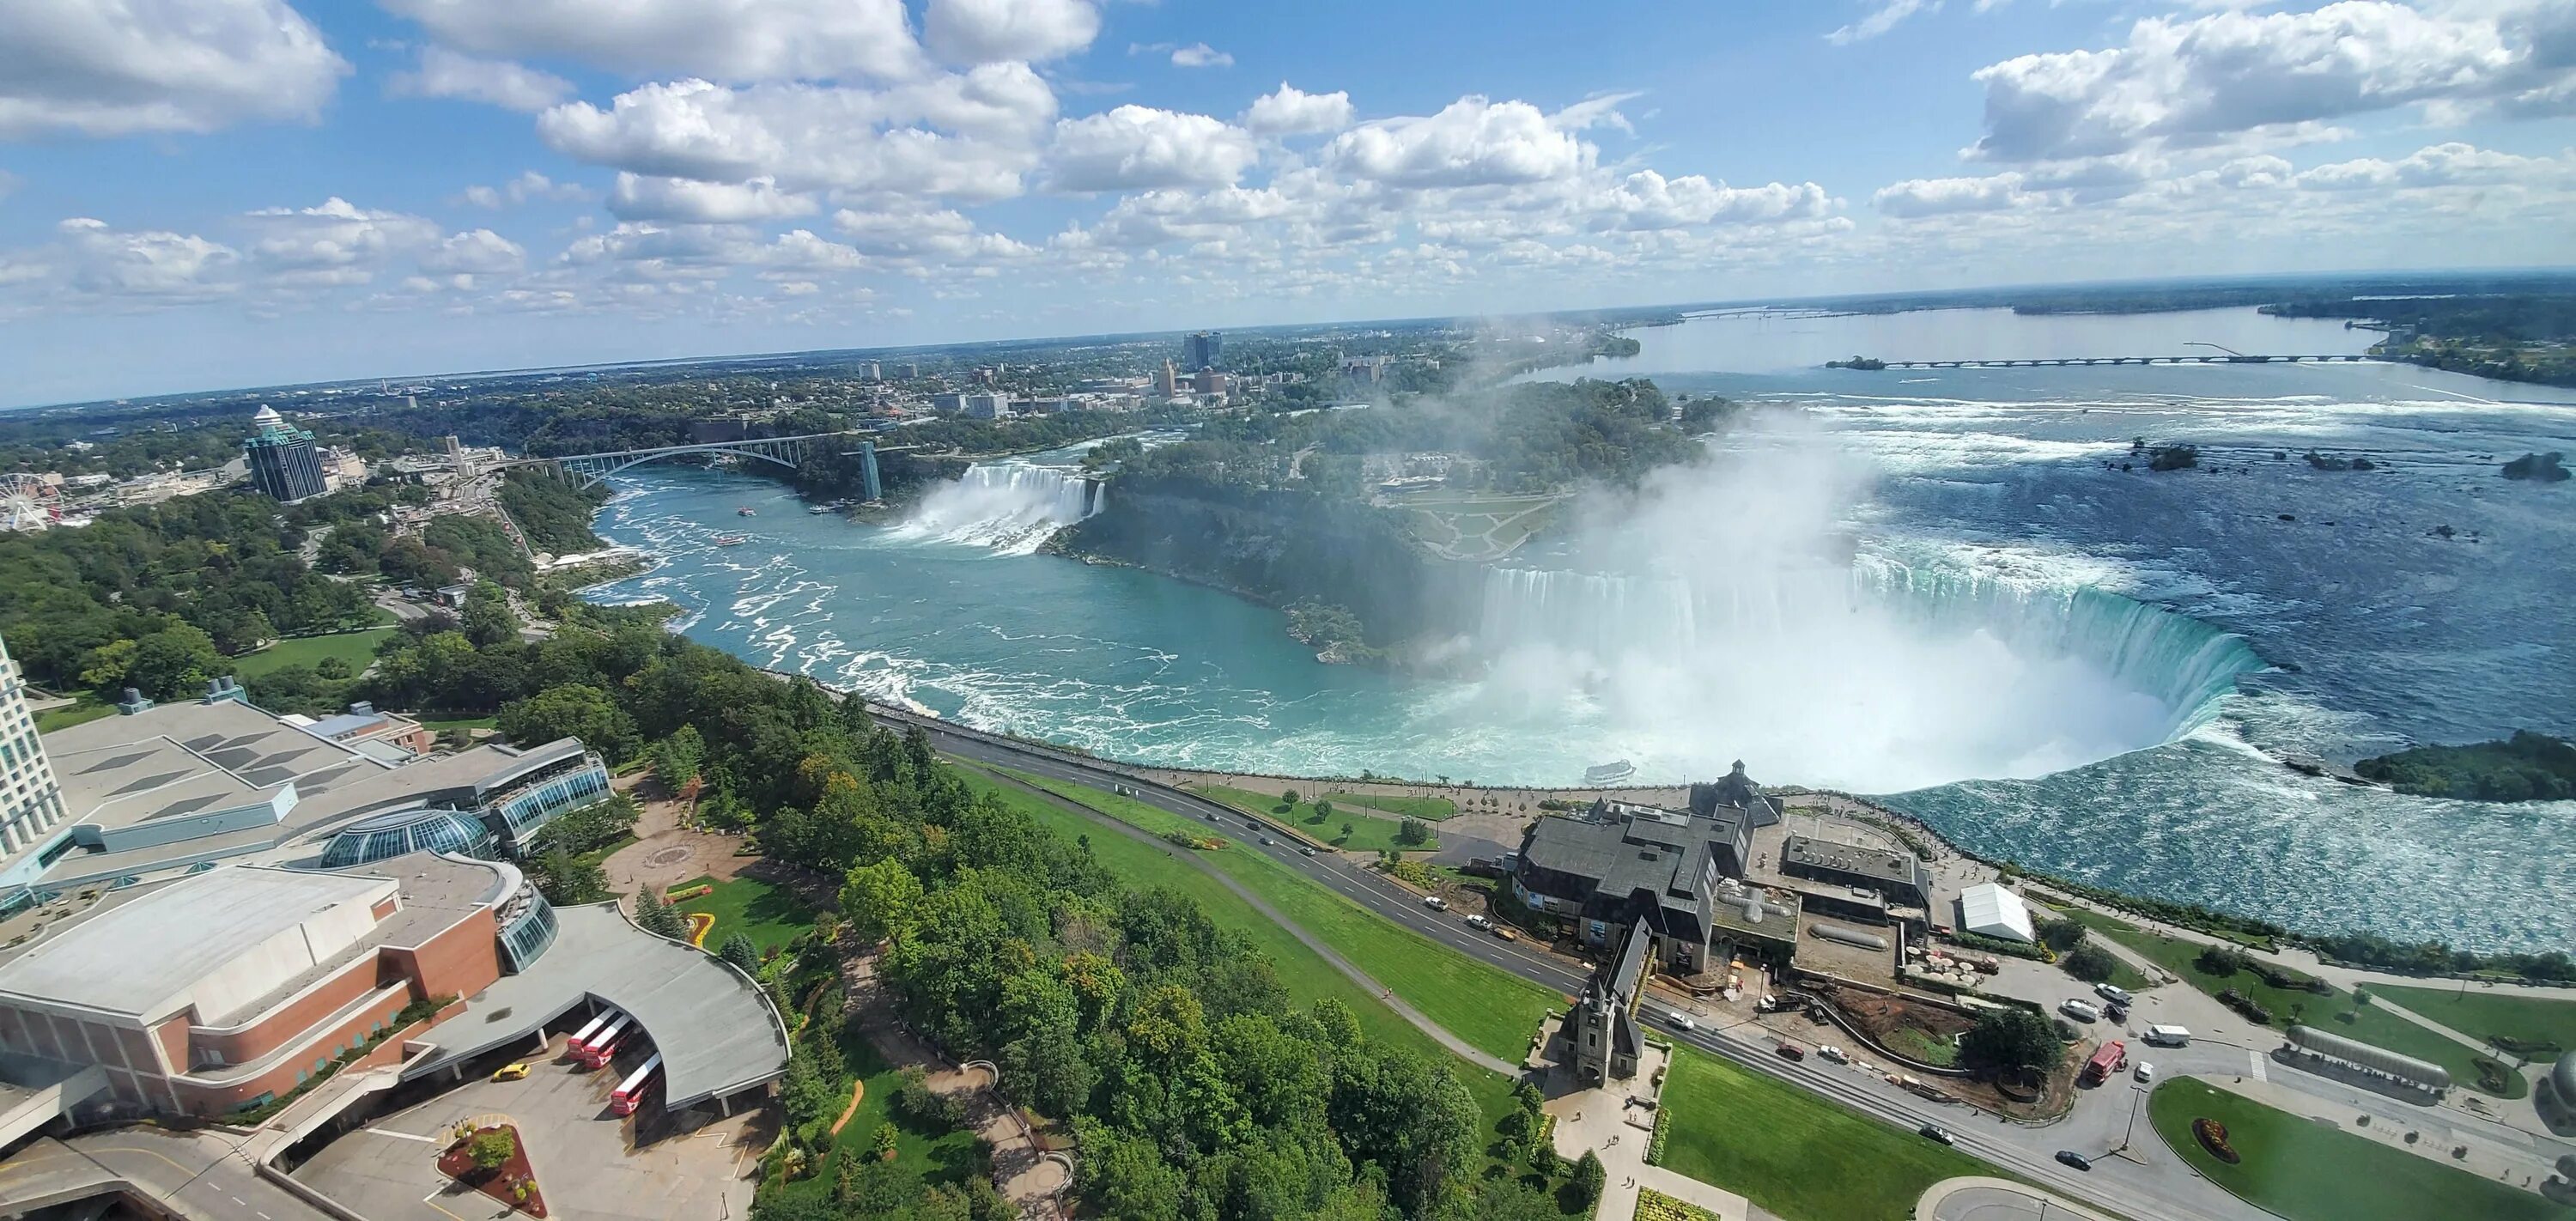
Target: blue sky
(204,193)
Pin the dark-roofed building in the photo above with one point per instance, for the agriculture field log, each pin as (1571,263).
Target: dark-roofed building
(1602,1026)
(1618,863)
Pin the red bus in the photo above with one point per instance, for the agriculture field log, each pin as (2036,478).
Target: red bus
(588,1030)
(603,1045)
(2106,1061)
(630,1092)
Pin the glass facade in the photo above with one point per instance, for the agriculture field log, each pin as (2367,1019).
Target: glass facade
(580,781)
(390,835)
(527,928)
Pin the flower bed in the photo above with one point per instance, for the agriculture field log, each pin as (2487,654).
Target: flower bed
(700,924)
(2212,1136)
(1653,1205)
(513,1182)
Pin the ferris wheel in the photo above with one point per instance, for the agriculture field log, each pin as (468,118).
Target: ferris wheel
(28,503)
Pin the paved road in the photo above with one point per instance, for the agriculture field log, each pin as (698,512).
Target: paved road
(2155,1184)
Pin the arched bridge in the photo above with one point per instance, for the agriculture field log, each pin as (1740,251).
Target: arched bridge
(789,452)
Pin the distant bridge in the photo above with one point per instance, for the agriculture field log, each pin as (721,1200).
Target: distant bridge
(790,452)
(2059,361)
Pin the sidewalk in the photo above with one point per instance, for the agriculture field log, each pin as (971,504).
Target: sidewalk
(1978,1198)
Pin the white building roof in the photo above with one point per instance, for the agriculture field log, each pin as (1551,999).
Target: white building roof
(1989,910)
(216,941)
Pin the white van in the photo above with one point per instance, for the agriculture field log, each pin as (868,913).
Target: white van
(2168,1036)
(2080,1010)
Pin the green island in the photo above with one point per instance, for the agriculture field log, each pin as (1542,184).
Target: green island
(1344,820)
(2304,1170)
(2525,767)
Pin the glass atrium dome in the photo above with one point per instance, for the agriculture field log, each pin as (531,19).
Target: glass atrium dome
(395,832)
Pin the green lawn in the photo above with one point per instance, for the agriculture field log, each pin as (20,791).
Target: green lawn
(1791,1152)
(2329,1012)
(771,914)
(86,709)
(443,724)
(1369,832)
(1485,1005)
(356,648)
(2306,1171)
(1305,974)
(2491,1015)
(1428,809)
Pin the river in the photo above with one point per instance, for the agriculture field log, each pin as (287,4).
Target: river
(2048,657)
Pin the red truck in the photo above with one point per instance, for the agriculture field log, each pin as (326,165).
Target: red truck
(2106,1061)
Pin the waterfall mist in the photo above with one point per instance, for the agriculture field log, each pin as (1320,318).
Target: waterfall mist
(1716,614)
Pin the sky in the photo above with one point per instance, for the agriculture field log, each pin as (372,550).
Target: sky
(198,194)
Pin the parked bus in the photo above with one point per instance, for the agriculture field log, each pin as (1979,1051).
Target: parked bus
(603,1045)
(589,1029)
(630,1092)
(2105,1062)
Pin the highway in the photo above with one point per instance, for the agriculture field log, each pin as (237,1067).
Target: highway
(2146,1181)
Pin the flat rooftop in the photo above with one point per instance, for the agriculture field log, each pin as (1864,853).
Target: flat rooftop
(1894,868)
(180,759)
(715,1030)
(142,955)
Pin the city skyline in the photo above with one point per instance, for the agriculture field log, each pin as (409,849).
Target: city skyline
(286,194)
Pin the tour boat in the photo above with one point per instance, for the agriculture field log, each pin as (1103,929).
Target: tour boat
(745,511)
(731,540)
(1609,773)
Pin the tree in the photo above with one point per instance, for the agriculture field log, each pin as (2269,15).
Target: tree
(655,916)
(1412,831)
(333,668)
(2010,1041)
(573,710)
(1287,797)
(2059,935)
(1346,830)
(878,899)
(1590,1176)
(882,1144)
(569,881)
(678,758)
(488,617)
(491,1150)
(2090,963)
(739,950)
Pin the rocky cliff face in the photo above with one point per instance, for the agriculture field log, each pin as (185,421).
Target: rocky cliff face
(1277,548)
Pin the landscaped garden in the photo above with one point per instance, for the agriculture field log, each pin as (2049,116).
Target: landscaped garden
(356,649)
(768,913)
(1653,1205)
(494,1162)
(2303,1170)
(1335,818)
(2541,1027)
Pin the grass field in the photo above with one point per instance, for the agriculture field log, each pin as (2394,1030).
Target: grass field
(356,648)
(772,915)
(1491,1008)
(87,709)
(1369,832)
(443,724)
(2331,1011)
(1305,974)
(2306,1171)
(1792,1153)
(947,1158)
(2491,1015)
(1428,809)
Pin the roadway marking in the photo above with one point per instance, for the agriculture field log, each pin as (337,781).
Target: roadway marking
(2257,1058)
(432,1200)
(426,1140)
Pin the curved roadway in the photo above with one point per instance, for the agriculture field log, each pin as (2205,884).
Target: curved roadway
(2160,1186)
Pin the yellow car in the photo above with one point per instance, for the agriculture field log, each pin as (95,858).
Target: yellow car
(510,1072)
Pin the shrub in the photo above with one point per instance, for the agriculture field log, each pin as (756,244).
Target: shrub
(2090,963)
(489,1151)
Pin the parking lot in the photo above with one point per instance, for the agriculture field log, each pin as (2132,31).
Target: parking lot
(583,1156)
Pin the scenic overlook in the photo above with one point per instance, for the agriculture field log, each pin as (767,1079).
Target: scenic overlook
(1149,610)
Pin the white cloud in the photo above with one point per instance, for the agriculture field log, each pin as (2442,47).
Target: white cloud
(528,185)
(334,242)
(1289,111)
(498,82)
(93,68)
(1138,147)
(967,136)
(145,266)
(991,31)
(1648,200)
(1471,142)
(728,40)
(1200,55)
(1882,18)
(475,252)
(637,197)
(1919,197)
(944,236)
(2214,79)
(2441,165)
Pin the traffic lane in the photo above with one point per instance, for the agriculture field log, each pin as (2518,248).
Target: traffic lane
(2027,1152)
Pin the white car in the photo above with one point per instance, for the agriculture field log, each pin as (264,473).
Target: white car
(2144,1072)
(2113,993)
(1681,1021)
(2080,1010)
(1435,903)
(1834,1054)
(1478,921)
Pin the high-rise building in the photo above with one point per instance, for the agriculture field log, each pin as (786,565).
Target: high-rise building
(1203,348)
(283,460)
(1167,381)
(31,802)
